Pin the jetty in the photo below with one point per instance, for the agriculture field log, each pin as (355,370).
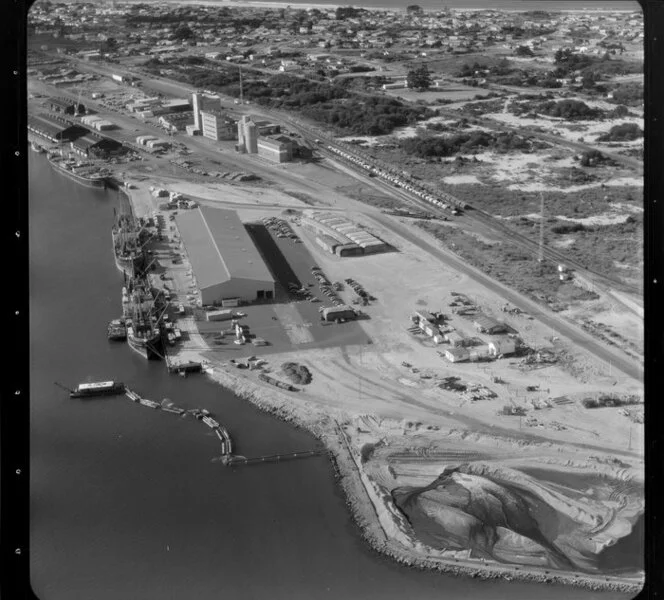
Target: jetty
(242,460)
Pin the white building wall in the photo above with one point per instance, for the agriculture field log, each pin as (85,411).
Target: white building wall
(245,289)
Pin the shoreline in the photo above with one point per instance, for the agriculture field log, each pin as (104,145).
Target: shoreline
(365,516)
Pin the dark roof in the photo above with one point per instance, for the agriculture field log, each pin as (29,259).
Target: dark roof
(61,102)
(284,139)
(486,322)
(45,126)
(86,141)
(53,126)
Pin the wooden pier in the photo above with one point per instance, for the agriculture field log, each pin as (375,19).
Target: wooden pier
(242,460)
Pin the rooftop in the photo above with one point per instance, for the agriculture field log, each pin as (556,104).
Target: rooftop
(219,247)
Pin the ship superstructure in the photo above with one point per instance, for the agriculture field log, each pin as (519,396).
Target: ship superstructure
(82,172)
(142,317)
(128,246)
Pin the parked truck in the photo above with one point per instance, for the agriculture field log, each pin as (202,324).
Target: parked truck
(225,314)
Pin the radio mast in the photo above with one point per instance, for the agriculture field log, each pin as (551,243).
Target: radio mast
(540,254)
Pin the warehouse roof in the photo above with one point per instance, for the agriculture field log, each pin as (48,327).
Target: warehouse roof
(45,126)
(484,322)
(87,141)
(219,247)
(61,102)
(52,126)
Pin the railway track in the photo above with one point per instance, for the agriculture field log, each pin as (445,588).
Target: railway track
(363,164)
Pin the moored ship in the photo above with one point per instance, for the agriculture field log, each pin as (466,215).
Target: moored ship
(127,246)
(84,173)
(138,307)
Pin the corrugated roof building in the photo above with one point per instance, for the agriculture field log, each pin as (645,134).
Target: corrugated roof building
(55,131)
(226,262)
(489,325)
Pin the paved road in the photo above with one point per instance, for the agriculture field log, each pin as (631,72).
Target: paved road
(579,337)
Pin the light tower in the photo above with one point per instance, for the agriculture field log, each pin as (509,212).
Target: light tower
(196,101)
(540,254)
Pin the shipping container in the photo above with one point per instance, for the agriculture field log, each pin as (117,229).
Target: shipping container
(220,315)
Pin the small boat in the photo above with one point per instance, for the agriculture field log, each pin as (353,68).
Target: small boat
(100,388)
(117,330)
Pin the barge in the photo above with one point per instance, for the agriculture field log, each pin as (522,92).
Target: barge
(99,388)
(83,173)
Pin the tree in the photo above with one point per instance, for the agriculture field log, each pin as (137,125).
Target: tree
(588,80)
(414,9)
(562,55)
(183,32)
(111,44)
(419,79)
(524,51)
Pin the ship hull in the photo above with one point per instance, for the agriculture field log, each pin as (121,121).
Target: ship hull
(131,266)
(132,263)
(114,391)
(148,349)
(97,182)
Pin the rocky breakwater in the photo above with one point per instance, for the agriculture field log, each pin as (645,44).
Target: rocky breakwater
(384,525)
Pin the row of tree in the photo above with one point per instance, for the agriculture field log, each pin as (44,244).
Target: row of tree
(428,146)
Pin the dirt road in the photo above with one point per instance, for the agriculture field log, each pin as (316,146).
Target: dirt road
(576,335)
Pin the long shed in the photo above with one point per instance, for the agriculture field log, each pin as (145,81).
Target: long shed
(226,262)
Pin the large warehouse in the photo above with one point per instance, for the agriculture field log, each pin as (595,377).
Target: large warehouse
(226,263)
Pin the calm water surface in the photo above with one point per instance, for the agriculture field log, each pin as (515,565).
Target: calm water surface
(126,502)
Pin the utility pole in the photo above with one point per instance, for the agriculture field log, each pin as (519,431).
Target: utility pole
(241,91)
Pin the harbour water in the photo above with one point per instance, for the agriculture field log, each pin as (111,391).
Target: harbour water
(128,502)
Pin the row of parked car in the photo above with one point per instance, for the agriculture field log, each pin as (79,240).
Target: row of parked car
(361,292)
(327,288)
(281,228)
(302,293)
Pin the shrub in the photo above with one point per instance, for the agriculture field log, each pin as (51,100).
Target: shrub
(622,132)
(296,373)
(366,452)
(568,228)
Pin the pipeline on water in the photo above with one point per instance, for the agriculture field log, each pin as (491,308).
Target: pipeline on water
(198,413)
